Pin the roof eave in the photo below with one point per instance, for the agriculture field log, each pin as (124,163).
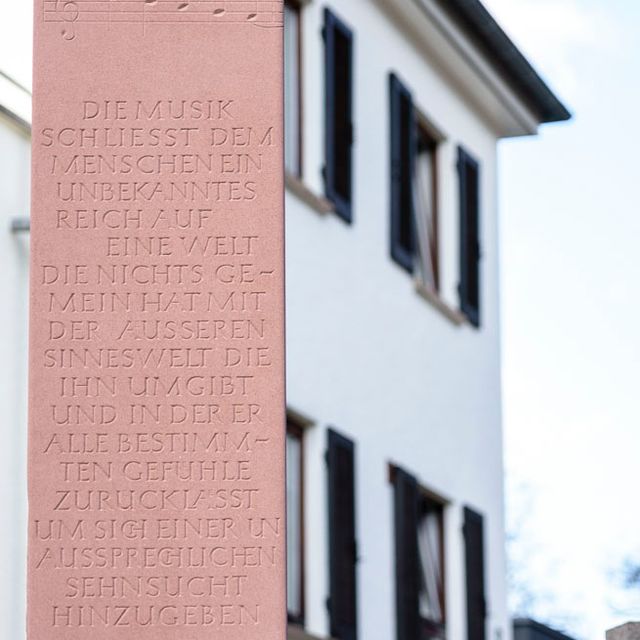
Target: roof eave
(480,26)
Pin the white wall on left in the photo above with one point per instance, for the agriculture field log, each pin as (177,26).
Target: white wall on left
(14,249)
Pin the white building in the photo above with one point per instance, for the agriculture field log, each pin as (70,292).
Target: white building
(394,112)
(393,322)
(15,114)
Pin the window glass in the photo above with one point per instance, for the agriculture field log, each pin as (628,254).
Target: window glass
(431,573)
(425,211)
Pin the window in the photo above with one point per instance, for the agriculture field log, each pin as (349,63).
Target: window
(295,514)
(419,542)
(338,171)
(431,553)
(469,189)
(343,552)
(414,215)
(474,565)
(292,89)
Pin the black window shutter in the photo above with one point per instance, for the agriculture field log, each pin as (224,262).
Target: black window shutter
(469,182)
(475,569)
(403,151)
(407,558)
(338,114)
(342,537)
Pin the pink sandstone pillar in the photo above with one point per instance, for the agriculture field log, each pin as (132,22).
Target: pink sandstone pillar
(157,412)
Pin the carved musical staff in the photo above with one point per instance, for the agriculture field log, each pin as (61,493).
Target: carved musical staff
(146,5)
(68,14)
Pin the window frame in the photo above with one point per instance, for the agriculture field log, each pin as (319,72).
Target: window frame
(297,6)
(296,430)
(343,203)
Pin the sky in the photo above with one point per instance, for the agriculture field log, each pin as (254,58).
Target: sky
(15,40)
(571,266)
(570,227)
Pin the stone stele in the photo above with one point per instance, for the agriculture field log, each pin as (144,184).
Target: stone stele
(157,413)
(628,631)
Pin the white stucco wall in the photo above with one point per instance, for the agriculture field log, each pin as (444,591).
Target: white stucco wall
(370,357)
(14,249)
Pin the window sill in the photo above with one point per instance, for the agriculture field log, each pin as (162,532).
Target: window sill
(297,632)
(300,190)
(455,317)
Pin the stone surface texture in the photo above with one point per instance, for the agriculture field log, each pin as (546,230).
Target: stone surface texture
(157,412)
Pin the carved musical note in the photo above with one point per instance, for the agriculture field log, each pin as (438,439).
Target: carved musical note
(69,11)
(252,15)
(219,9)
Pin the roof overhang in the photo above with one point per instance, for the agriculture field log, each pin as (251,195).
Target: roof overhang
(480,26)
(481,61)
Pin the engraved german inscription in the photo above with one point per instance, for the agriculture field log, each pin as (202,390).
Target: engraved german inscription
(156,352)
